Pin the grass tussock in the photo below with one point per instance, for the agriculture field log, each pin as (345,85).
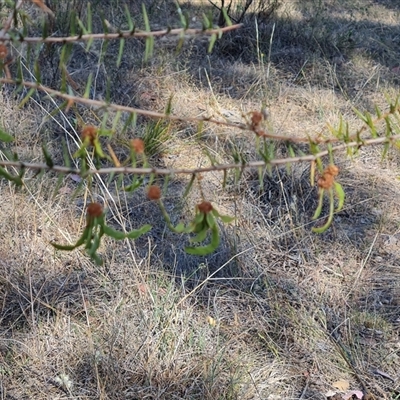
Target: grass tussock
(277,312)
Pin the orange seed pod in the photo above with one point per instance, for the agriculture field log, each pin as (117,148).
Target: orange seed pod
(154,193)
(326,181)
(137,145)
(256,118)
(3,51)
(94,210)
(332,170)
(205,207)
(89,134)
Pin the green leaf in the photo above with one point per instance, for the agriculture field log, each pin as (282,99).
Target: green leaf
(213,39)
(118,235)
(200,237)
(224,181)
(72,26)
(98,149)
(148,53)
(27,97)
(36,69)
(134,185)
(226,218)
(210,219)
(88,86)
(320,204)
(183,18)
(223,218)
(45,30)
(130,123)
(97,259)
(180,43)
(6,175)
(340,194)
(85,236)
(146,18)
(196,228)
(204,250)
(121,51)
(66,52)
(67,161)
(323,228)
(360,115)
(207,23)
(89,18)
(84,30)
(168,108)
(138,232)
(199,217)
(47,157)
(291,150)
(93,245)
(129,19)
(115,122)
(89,44)
(179,228)
(226,17)
(189,186)
(371,125)
(5,137)
(61,247)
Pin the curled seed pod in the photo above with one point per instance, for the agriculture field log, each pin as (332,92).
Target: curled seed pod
(89,134)
(94,210)
(154,193)
(3,51)
(205,207)
(137,145)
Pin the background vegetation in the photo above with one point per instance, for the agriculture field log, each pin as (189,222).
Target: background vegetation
(276,312)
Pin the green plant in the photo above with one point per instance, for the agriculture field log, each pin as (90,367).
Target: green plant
(95,229)
(155,136)
(94,155)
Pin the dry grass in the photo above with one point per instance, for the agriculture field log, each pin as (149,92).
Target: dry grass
(277,312)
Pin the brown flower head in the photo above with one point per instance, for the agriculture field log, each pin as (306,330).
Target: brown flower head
(137,145)
(328,178)
(154,193)
(326,181)
(332,170)
(205,207)
(89,134)
(256,118)
(3,51)
(94,210)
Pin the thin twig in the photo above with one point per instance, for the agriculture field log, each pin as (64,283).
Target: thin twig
(152,114)
(190,171)
(124,34)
